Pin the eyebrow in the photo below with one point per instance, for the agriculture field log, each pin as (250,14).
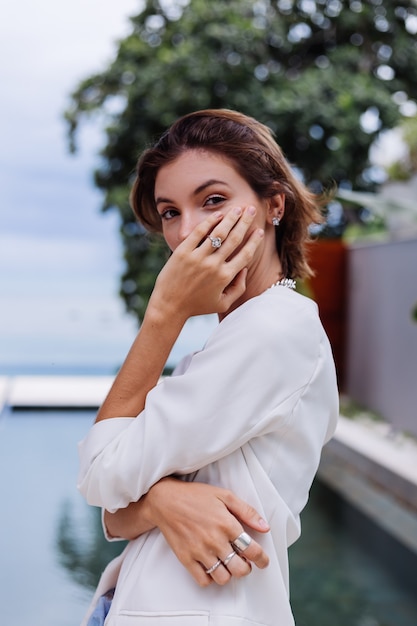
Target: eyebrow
(199,189)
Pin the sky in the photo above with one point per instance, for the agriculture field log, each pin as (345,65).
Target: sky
(60,257)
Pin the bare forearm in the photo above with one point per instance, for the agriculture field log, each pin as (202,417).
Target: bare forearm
(140,517)
(143,366)
(130,522)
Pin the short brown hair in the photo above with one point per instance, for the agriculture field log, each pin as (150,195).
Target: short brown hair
(250,146)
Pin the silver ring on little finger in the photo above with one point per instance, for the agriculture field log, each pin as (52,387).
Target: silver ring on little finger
(216,242)
(229,557)
(213,568)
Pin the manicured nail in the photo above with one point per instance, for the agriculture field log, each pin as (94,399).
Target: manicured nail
(237,210)
(262,523)
(251,210)
(218,215)
(261,233)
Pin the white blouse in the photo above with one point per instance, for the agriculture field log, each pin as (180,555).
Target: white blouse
(249,413)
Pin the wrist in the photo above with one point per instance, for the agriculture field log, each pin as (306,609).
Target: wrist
(153,502)
(164,315)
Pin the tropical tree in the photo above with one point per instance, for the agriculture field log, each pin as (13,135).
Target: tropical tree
(406,166)
(327,76)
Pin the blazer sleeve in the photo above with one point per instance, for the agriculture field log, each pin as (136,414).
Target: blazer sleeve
(244,384)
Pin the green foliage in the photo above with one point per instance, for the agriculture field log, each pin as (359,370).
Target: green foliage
(399,170)
(380,206)
(407,166)
(376,211)
(409,128)
(322,74)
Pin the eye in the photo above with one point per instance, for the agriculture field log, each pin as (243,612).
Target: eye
(214,199)
(168,214)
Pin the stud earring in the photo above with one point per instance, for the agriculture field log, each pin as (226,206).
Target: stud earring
(275,221)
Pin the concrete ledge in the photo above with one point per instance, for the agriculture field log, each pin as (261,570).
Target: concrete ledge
(54,392)
(376,473)
(376,441)
(4,390)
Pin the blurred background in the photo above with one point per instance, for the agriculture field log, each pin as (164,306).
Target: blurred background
(84,89)
(59,259)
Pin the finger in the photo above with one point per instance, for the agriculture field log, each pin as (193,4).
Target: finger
(216,572)
(237,270)
(221,575)
(245,254)
(236,565)
(197,570)
(233,290)
(246,513)
(202,230)
(232,230)
(256,554)
(216,238)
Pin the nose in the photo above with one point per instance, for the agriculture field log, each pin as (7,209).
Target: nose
(189,221)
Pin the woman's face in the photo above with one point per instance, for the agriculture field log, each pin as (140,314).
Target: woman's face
(196,184)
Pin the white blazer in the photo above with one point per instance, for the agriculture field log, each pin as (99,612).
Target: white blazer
(249,413)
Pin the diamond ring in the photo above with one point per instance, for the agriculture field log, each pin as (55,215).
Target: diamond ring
(216,242)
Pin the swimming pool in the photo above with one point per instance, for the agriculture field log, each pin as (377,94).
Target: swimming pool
(51,548)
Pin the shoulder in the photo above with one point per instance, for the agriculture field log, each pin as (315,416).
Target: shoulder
(279,330)
(279,315)
(283,305)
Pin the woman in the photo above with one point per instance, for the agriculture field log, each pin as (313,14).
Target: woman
(189,469)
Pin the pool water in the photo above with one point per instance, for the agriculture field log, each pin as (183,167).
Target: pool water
(52,549)
(347,572)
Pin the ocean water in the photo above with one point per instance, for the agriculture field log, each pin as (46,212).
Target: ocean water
(59,369)
(96,351)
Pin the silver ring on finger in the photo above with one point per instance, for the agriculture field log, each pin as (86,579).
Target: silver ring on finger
(216,242)
(242,542)
(213,568)
(229,557)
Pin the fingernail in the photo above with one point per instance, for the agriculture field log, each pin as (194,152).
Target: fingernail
(251,210)
(261,233)
(218,215)
(262,523)
(237,210)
